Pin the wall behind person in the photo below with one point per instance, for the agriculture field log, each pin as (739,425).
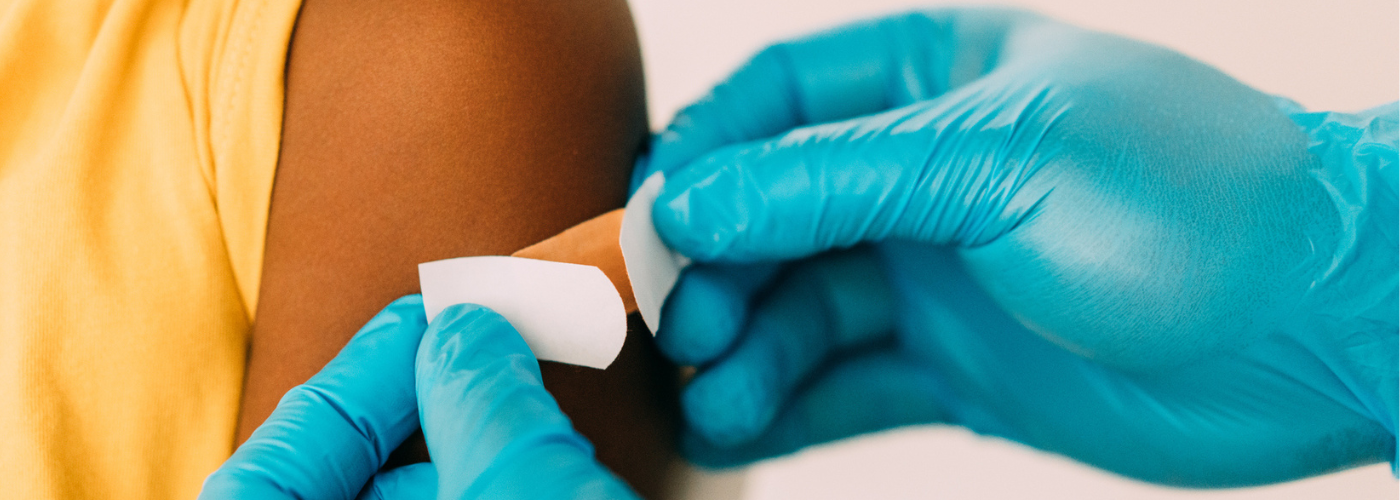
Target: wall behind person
(1326,54)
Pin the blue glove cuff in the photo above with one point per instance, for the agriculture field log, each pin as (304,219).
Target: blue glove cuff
(1355,300)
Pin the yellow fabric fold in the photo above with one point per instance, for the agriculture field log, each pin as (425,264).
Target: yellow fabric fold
(137,154)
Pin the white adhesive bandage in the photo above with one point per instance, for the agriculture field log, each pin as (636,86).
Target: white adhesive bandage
(568,313)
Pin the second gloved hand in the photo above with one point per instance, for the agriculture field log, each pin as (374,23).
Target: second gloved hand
(491,428)
(1079,242)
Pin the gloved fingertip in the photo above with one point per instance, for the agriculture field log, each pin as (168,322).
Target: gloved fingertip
(701,319)
(406,311)
(462,312)
(410,482)
(728,405)
(466,337)
(697,215)
(485,324)
(407,301)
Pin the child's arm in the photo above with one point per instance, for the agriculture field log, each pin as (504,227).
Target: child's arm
(423,130)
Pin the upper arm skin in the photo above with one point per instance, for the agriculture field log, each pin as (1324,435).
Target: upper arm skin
(428,129)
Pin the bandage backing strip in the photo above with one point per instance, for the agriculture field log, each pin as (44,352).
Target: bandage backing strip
(565,312)
(652,267)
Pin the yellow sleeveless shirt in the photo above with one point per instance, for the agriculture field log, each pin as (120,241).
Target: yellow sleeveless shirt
(138,141)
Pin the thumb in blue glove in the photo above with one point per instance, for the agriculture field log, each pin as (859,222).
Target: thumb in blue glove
(492,429)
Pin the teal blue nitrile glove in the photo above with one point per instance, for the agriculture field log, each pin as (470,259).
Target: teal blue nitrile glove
(492,429)
(1079,242)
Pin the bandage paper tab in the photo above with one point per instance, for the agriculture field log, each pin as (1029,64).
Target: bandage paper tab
(652,267)
(568,313)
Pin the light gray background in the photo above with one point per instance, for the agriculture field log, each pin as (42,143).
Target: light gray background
(1336,55)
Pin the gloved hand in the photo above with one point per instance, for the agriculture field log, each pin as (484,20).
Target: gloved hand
(1086,244)
(491,428)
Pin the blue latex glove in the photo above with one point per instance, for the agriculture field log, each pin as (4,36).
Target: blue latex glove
(1083,243)
(491,428)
